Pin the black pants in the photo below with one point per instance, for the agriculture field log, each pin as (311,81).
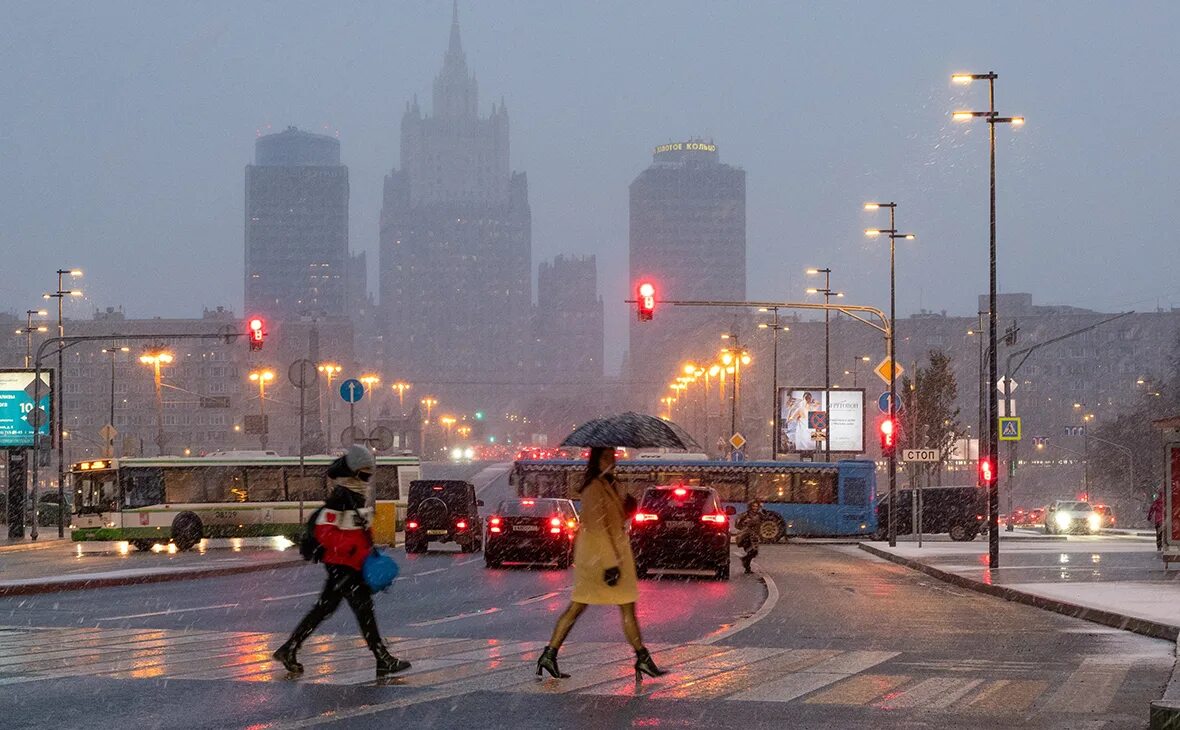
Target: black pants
(1159,537)
(349,585)
(750,554)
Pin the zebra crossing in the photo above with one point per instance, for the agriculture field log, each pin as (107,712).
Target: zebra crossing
(447,667)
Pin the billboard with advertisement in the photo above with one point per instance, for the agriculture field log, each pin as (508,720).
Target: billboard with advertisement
(805,420)
(20,416)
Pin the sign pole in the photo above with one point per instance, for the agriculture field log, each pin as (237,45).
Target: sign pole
(18,477)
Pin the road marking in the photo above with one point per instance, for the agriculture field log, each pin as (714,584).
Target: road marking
(767,606)
(448,619)
(1008,695)
(293,595)
(829,671)
(537,599)
(936,691)
(1092,686)
(858,690)
(427,572)
(465,562)
(169,612)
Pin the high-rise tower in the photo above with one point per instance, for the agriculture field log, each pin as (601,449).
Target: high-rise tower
(296,227)
(456,247)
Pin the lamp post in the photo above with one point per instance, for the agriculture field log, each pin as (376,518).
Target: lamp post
(28,331)
(330,370)
(447,422)
(59,295)
(891,231)
(856,361)
(993,437)
(370,382)
(429,402)
(401,387)
(734,358)
(775,326)
(156,359)
(110,442)
(828,294)
(262,377)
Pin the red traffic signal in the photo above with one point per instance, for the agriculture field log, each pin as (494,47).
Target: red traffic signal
(256,332)
(987,472)
(888,434)
(646,301)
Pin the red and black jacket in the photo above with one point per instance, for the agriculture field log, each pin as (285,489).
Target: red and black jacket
(342,528)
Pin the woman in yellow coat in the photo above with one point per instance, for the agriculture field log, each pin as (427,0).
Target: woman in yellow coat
(604,568)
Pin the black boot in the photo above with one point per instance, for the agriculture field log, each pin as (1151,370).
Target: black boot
(644,664)
(548,662)
(285,655)
(388,664)
(746,559)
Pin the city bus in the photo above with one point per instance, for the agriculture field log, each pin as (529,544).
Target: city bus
(807,499)
(178,501)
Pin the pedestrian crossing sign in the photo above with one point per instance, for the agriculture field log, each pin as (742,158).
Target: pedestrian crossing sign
(1010,429)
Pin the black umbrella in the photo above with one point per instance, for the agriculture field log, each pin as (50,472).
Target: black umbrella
(632,430)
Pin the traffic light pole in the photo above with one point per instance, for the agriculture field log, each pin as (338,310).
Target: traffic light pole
(64,343)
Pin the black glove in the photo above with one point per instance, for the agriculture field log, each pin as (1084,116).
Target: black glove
(611,576)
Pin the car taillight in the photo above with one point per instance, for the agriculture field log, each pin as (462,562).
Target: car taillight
(461,524)
(645,517)
(680,491)
(717,519)
(494,524)
(494,520)
(979,517)
(571,524)
(411,525)
(527,502)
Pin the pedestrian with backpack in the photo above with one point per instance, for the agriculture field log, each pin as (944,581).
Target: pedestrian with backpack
(339,537)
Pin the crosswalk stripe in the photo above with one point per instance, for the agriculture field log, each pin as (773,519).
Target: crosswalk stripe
(725,658)
(829,671)
(1091,687)
(927,693)
(1008,695)
(719,685)
(858,690)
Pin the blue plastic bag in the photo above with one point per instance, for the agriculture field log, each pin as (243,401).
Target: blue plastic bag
(379,571)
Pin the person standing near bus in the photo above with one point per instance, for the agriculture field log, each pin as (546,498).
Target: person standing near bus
(749,527)
(604,568)
(342,530)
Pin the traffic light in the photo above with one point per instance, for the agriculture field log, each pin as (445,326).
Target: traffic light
(256,333)
(646,301)
(987,472)
(888,436)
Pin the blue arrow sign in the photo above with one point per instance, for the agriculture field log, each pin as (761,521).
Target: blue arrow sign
(352,390)
(883,403)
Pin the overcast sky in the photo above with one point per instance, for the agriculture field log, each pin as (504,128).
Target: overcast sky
(125,128)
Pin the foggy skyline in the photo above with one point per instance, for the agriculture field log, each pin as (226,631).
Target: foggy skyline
(127,127)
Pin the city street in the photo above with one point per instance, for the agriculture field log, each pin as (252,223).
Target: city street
(834,638)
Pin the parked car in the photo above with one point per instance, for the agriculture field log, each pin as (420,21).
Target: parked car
(443,510)
(531,531)
(1035,516)
(681,527)
(959,511)
(1069,515)
(1105,514)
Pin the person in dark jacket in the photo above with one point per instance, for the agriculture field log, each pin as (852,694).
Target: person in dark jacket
(749,527)
(1155,514)
(342,529)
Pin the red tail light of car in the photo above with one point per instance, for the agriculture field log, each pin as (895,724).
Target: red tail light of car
(718,518)
(680,491)
(411,525)
(641,517)
(461,525)
(494,525)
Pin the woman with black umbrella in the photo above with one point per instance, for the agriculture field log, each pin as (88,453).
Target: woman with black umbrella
(604,568)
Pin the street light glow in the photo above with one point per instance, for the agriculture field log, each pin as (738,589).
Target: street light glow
(1017,121)
(872,206)
(872,232)
(812,291)
(962,78)
(962,116)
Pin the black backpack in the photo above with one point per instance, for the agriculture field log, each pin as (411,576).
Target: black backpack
(309,547)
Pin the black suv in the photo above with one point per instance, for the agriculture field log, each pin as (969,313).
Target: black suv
(532,531)
(443,510)
(681,527)
(960,512)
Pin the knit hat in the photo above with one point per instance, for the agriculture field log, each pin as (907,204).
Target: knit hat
(344,470)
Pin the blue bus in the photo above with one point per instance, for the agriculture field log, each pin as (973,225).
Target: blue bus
(809,499)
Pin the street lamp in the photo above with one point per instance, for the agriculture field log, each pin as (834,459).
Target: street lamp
(775,326)
(891,231)
(262,377)
(856,361)
(828,294)
(156,358)
(993,437)
(401,387)
(28,331)
(60,294)
(112,351)
(733,359)
(429,402)
(370,381)
(330,371)
(447,422)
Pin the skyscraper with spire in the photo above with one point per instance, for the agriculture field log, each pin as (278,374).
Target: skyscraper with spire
(456,247)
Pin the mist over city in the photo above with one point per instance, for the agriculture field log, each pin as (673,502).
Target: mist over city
(838,345)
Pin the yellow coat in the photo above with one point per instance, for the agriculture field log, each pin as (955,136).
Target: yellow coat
(602,543)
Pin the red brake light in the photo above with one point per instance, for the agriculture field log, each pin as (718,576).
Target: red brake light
(411,525)
(437,487)
(645,517)
(555,521)
(528,502)
(555,530)
(494,520)
(680,491)
(461,524)
(719,518)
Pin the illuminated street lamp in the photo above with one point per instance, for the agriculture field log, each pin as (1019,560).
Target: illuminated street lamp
(110,442)
(733,359)
(856,361)
(447,422)
(828,294)
(330,371)
(992,118)
(156,358)
(429,402)
(370,381)
(775,326)
(891,231)
(28,331)
(262,377)
(401,387)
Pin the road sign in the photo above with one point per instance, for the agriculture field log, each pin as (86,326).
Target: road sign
(381,438)
(883,368)
(1009,428)
(20,417)
(817,420)
(737,441)
(883,403)
(351,435)
(919,455)
(1006,407)
(256,424)
(1000,385)
(352,390)
(108,432)
(302,373)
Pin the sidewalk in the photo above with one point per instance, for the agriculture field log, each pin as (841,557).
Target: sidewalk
(63,565)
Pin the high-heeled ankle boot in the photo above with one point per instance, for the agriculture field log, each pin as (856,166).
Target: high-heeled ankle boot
(285,655)
(548,662)
(388,664)
(644,664)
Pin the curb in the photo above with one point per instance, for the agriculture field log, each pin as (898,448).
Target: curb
(29,545)
(81,583)
(1165,712)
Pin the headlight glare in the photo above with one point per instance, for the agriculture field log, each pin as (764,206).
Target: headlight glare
(1062,519)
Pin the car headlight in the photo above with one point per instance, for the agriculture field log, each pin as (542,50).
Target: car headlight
(1095,521)
(1062,519)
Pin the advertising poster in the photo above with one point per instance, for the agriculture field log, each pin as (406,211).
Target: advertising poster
(20,417)
(805,420)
